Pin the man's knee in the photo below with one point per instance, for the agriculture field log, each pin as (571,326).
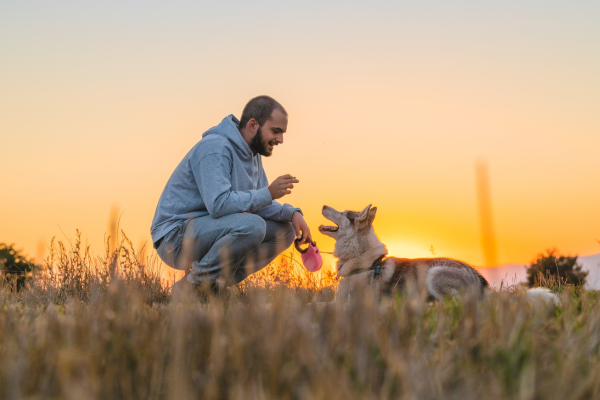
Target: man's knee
(252,226)
(288,234)
(282,233)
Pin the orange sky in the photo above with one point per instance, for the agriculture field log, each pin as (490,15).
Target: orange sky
(390,104)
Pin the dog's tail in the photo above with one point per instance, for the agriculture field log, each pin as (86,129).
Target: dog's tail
(536,295)
(540,294)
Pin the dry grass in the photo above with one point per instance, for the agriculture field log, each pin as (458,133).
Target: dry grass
(287,272)
(103,328)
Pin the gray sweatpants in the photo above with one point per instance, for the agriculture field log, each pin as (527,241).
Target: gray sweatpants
(231,247)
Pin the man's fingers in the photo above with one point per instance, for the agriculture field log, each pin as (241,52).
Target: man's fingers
(300,234)
(304,234)
(287,192)
(288,186)
(287,177)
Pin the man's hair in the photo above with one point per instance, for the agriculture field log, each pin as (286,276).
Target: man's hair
(260,108)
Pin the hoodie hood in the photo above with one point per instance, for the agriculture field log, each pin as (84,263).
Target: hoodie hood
(228,128)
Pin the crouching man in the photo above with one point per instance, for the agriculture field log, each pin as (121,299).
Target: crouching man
(217,218)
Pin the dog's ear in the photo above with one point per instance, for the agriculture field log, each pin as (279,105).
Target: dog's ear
(372,213)
(362,216)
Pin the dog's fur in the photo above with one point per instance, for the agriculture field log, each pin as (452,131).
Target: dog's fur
(357,247)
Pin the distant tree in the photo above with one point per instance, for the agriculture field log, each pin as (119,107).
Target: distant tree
(564,268)
(14,265)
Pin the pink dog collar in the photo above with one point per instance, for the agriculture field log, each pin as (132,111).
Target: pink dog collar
(311,256)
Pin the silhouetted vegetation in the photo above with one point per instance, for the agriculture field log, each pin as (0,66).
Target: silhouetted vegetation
(14,266)
(562,270)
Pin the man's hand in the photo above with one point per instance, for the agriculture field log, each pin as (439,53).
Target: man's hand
(301,227)
(281,186)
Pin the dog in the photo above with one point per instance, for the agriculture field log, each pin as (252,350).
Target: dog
(363,262)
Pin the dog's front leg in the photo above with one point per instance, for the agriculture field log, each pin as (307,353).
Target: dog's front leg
(343,290)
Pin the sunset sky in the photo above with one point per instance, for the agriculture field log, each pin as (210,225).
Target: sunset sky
(390,103)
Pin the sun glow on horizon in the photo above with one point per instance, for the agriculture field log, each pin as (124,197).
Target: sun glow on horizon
(403,249)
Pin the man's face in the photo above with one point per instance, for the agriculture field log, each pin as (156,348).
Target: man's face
(270,134)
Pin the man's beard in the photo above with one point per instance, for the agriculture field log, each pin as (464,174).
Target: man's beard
(258,144)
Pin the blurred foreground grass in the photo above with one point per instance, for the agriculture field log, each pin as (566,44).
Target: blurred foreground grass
(104,328)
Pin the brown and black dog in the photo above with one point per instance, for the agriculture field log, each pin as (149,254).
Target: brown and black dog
(363,263)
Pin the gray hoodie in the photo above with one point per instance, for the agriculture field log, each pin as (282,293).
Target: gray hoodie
(219,176)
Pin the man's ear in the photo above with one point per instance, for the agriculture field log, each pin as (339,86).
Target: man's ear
(362,216)
(253,125)
(372,213)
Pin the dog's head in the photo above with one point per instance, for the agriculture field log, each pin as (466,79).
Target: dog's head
(351,232)
(347,222)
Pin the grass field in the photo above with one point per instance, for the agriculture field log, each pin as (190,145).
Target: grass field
(105,328)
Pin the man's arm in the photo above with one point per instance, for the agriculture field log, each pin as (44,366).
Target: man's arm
(286,213)
(213,177)
(276,211)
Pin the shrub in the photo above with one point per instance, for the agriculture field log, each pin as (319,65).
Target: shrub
(555,268)
(14,265)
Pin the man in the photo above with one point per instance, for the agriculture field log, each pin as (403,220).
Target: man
(217,217)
